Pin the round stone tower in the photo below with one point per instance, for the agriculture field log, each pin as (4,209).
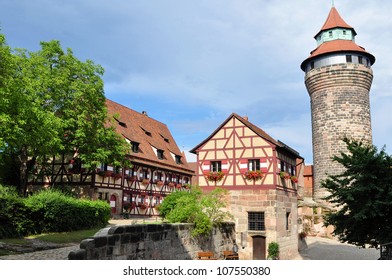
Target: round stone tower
(338,79)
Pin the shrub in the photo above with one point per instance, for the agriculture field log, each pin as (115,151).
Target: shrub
(204,210)
(273,251)
(12,213)
(48,211)
(54,211)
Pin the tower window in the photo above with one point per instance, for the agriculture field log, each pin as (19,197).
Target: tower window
(312,65)
(330,34)
(360,60)
(349,58)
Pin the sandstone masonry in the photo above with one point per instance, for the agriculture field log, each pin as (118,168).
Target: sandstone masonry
(340,108)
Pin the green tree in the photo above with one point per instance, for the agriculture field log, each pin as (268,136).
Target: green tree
(51,103)
(204,210)
(362,195)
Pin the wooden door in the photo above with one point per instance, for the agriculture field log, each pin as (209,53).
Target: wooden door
(259,247)
(113,200)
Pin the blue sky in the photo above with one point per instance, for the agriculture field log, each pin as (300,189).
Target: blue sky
(191,63)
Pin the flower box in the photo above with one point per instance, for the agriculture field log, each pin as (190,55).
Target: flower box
(256,175)
(145,182)
(159,183)
(294,179)
(284,175)
(215,176)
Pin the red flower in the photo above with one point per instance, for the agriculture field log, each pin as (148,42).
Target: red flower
(253,175)
(215,176)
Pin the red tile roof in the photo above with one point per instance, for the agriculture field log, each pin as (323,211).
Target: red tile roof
(334,20)
(140,128)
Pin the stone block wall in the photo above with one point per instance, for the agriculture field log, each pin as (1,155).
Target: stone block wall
(153,242)
(276,204)
(340,108)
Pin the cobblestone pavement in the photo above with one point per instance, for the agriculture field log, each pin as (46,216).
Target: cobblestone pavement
(330,249)
(61,253)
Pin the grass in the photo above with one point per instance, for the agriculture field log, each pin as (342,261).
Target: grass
(55,237)
(65,237)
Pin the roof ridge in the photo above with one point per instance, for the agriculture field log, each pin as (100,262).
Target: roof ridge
(127,108)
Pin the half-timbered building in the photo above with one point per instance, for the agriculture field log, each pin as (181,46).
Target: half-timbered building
(262,176)
(158,167)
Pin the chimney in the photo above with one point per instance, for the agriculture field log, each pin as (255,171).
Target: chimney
(145,113)
(245,118)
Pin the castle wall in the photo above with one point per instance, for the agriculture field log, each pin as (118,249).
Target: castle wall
(153,242)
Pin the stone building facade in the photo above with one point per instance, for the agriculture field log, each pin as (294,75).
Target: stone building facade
(338,79)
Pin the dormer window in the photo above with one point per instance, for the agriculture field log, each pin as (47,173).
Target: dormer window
(148,133)
(164,138)
(123,124)
(160,154)
(178,159)
(135,147)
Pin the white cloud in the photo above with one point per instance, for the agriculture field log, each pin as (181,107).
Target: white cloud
(208,57)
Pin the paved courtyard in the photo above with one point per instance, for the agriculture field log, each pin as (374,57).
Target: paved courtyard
(330,249)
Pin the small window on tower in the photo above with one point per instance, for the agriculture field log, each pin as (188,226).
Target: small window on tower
(349,58)
(312,65)
(330,34)
(360,60)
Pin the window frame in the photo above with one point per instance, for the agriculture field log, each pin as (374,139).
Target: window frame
(256,221)
(254,164)
(216,166)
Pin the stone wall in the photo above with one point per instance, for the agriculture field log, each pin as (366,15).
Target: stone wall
(340,108)
(276,204)
(153,242)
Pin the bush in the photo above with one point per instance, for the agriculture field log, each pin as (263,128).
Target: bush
(204,210)
(273,251)
(12,213)
(56,212)
(48,211)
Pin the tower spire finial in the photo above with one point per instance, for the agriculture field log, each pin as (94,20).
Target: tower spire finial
(333,3)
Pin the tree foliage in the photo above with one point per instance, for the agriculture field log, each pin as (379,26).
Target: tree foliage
(362,195)
(52,103)
(204,210)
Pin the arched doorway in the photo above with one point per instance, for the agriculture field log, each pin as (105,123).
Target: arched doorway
(113,202)
(259,247)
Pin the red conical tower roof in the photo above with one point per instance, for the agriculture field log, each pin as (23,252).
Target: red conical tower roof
(334,20)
